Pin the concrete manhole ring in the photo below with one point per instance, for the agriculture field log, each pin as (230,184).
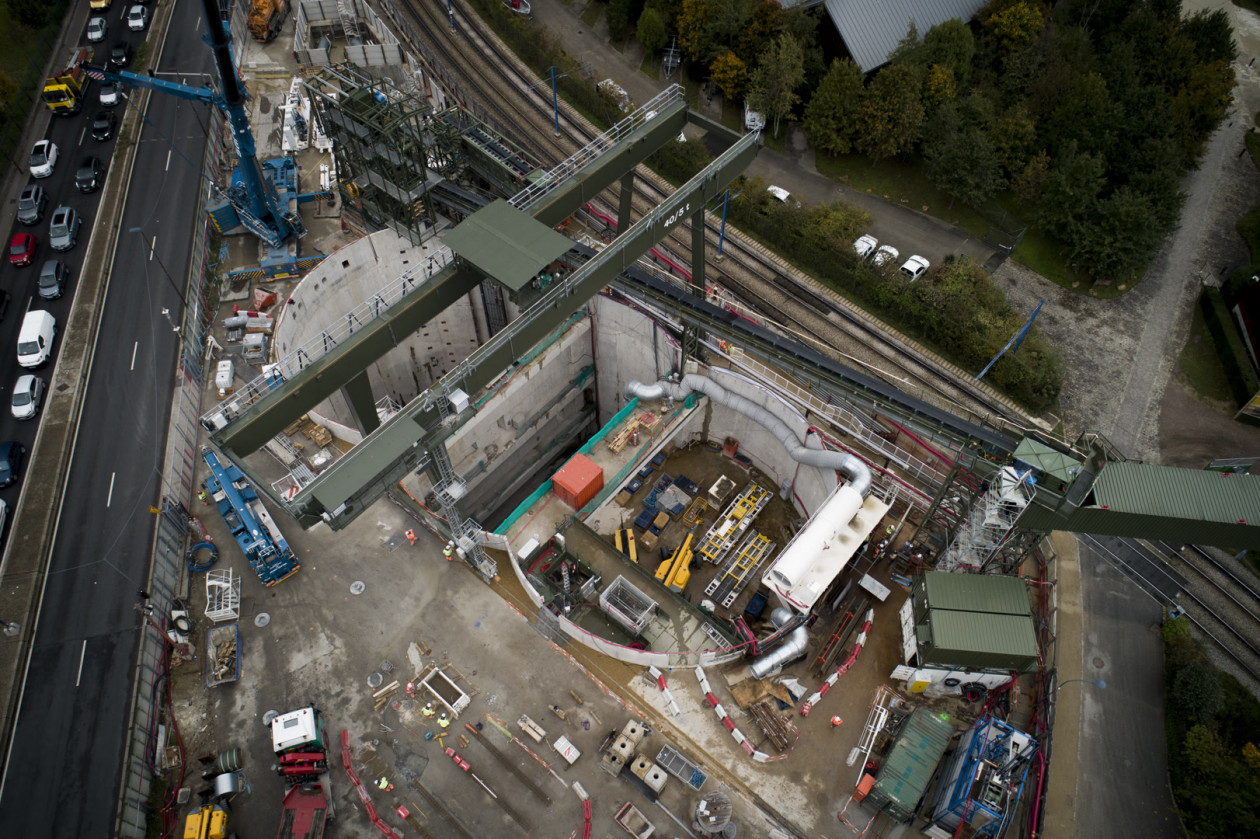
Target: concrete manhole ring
(374,681)
(270,717)
(263,619)
(358,587)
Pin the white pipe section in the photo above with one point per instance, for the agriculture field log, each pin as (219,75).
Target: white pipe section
(852,468)
(793,646)
(808,547)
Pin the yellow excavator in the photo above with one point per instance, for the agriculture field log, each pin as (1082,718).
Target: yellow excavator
(208,822)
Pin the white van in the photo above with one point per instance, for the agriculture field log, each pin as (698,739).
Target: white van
(35,339)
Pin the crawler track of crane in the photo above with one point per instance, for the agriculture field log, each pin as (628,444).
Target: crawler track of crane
(1224,608)
(498,87)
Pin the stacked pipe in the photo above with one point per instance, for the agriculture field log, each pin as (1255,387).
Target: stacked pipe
(843,668)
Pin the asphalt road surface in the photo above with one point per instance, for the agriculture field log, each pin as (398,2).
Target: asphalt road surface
(1123,785)
(65,762)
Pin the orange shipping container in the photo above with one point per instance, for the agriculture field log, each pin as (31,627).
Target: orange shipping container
(578,481)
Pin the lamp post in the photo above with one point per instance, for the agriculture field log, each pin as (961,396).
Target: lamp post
(1098,683)
(555,103)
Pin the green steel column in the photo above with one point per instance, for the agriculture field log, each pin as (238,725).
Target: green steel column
(358,393)
(627,197)
(697,251)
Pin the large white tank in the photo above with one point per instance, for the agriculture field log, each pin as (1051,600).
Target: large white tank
(820,535)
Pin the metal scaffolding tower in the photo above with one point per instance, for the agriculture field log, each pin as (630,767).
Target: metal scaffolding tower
(382,142)
(987,529)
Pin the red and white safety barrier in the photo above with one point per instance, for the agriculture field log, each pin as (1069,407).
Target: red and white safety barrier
(375,818)
(669,697)
(727,722)
(814,697)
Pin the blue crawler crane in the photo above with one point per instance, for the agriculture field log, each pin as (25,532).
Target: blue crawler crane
(251,525)
(252,201)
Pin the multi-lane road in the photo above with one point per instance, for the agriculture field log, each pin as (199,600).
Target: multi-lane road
(64,767)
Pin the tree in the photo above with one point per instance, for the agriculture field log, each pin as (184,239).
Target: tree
(1068,191)
(780,71)
(831,115)
(951,47)
(1196,693)
(891,113)
(766,22)
(729,74)
(961,159)
(32,14)
(939,87)
(651,31)
(708,28)
(1212,36)
(1201,105)
(1013,25)
(619,14)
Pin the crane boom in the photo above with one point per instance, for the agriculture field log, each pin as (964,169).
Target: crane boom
(252,196)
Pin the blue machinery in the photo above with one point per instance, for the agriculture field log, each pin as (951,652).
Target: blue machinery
(251,525)
(983,779)
(253,200)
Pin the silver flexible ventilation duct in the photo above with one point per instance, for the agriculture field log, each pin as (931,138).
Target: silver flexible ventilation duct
(792,646)
(852,468)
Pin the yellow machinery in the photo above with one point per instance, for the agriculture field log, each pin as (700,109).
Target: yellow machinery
(624,541)
(675,572)
(63,93)
(209,822)
(266,17)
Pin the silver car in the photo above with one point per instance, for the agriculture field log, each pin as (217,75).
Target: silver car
(63,230)
(27,394)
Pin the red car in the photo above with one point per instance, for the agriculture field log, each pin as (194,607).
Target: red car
(22,249)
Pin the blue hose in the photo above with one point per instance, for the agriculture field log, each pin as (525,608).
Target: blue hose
(193,565)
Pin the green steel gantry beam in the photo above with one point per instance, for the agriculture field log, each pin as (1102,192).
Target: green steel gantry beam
(358,478)
(267,417)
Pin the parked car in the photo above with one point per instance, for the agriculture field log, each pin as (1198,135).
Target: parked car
(97,29)
(138,19)
(63,230)
(89,175)
(10,462)
(43,158)
(779,192)
(52,279)
(27,395)
(111,94)
(100,5)
(104,125)
(885,255)
(865,246)
(120,54)
(915,267)
(31,204)
(22,249)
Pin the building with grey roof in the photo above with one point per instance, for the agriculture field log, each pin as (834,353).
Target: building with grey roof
(872,28)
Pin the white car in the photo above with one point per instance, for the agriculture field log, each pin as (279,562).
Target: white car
(138,19)
(865,246)
(915,267)
(97,29)
(27,394)
(111,94)
(885,255)
(779,192)
(43,158)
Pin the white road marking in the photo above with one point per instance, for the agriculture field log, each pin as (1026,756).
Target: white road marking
(110,497)
(82,655)
(134,350)
(82,134)
(168,160)
(152,246)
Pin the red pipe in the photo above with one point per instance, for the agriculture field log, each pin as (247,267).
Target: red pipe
(612,222)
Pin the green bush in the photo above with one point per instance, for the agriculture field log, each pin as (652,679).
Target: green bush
(1229,346)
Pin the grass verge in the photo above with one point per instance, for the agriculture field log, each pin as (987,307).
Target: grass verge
(1201,367)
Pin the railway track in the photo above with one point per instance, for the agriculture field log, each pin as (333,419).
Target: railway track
(476,65)
(1224,608)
